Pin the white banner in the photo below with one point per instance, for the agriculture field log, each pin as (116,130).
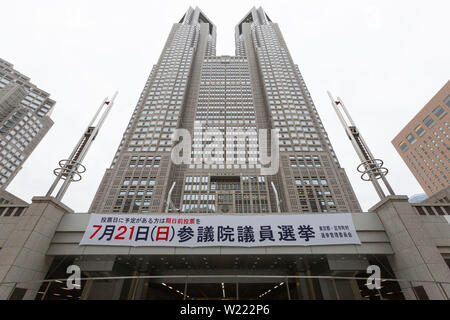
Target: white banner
(220,230)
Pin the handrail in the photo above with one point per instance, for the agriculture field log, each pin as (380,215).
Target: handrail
(224,276)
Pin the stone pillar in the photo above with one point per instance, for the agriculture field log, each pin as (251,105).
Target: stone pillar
(416,256)
(355,289)
(301,285)
(312,293)
(23,259)
(133,287)
(139,287)
(328,289)
(87,290)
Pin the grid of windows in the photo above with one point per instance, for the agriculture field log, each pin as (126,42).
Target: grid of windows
(35,98)
(24,120)
(314,194)
(430,159)
(211,194)
(135,195)
(157,116)
(288,105)
(226,113)
(426,149)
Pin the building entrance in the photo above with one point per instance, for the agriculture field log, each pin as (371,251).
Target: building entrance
(243,277)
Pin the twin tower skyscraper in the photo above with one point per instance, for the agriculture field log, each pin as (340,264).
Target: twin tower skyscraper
(225,103)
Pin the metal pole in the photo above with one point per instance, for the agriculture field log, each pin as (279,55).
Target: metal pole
(388,186)
(98,111)
(345,110)
(185,289)
(336,292)
(71,166)
(103,117)
(90,139)
(441,288)
(374,181)
(58,178)
(287,288)
(276,196)
(46,289)
(414,291)
(386,183)
(168,197)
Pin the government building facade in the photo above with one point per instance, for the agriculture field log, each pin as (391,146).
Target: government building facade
(225,186)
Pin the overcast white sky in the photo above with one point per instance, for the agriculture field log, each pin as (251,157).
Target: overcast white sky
(385,59)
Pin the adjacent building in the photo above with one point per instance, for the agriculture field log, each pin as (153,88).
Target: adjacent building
(24,120)
(424,143)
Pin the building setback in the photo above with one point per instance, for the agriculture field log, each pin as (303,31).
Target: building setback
(424,143)
(24,120)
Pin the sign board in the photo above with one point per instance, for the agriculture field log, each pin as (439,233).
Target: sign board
(220,230)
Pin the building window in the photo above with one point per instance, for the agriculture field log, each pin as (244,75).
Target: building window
(411,138)
(439,112)
(420,131)
(447,101)
(403,147)
(429,122)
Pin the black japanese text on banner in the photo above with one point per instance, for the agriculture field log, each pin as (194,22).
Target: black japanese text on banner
(220,230)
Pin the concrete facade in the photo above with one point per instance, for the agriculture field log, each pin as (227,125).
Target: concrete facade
(38,241)
(441,197)
(423,143)
(415,246)
(8,198)
(259,88)
(24,120)
(417,255)
(23,255)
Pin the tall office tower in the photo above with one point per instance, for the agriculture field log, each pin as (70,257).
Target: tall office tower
(424,143)
(231,98)
(24,120)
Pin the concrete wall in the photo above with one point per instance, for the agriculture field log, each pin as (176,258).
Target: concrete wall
(7,226)
(414,240)
(23,258)
(414,244)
